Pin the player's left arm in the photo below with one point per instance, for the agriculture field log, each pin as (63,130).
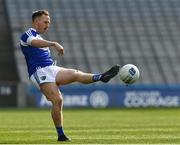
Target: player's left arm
(45,43)
(29,38)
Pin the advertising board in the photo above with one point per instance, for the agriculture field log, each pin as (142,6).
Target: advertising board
(8,95)
(102,96)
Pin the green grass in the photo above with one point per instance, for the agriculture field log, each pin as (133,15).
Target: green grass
(84,126)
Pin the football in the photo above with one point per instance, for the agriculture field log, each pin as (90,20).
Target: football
(129,74)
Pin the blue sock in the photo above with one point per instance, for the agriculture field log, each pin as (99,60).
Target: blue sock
(59,131)
(96,77)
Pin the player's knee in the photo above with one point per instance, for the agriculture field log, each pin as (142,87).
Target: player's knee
(75,72)
(57,100)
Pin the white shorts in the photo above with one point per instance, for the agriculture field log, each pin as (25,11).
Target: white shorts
(45,75)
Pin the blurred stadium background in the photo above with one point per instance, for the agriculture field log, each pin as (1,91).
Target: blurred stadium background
(97,34)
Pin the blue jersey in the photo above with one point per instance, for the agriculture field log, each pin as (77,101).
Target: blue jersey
(35,57)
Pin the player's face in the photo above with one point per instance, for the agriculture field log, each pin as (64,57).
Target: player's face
(43,23)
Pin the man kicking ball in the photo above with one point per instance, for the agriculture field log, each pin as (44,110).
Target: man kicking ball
(48,77)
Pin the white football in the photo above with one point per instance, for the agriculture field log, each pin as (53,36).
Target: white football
(129,74)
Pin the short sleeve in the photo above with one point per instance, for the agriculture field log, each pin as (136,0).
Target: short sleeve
(28,37)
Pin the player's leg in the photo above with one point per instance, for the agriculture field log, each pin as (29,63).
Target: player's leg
(52,93)
(66,76)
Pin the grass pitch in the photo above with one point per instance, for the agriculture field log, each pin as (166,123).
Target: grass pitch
(92,126)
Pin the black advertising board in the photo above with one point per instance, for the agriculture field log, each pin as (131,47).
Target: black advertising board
(8,95)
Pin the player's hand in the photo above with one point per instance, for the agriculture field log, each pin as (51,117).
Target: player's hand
(59,48)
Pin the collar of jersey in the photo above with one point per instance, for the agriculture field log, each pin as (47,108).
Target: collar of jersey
(34,30)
